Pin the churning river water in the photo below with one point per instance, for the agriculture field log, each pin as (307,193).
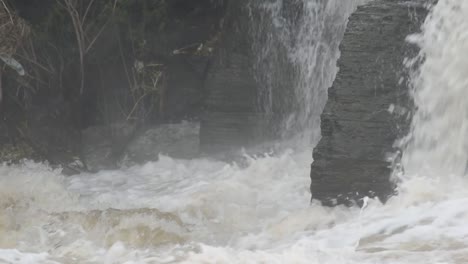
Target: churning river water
(206,211)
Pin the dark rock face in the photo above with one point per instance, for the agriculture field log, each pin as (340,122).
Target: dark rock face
(231,118)
(42,132)
(358,129)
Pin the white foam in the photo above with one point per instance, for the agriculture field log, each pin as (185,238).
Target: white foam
(15,256)
(222,213)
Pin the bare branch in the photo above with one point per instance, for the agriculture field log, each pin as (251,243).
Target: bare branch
(35,62)
(8,11)
(1,86)
(87,11)
(81,28)
(90,45)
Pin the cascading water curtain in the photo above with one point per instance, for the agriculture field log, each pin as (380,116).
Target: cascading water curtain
(437,145)
(297,47)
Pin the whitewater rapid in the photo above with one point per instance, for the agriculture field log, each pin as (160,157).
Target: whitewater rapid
(204,211)
(207,211)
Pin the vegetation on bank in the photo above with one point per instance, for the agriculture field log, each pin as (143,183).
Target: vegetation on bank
(75,42)
(93,63)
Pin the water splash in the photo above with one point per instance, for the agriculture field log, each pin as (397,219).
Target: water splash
(438,142)
(297,46)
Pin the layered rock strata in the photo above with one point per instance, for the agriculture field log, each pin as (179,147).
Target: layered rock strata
(359,123)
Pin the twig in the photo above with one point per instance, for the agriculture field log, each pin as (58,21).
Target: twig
(1,86)
(35,63)
(87,10)
(98,34)
(135,106)
(81,27)
(8,11)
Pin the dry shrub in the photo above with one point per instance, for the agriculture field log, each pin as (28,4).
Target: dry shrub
(13,30)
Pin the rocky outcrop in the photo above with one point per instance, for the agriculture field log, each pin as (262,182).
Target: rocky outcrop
(358,127)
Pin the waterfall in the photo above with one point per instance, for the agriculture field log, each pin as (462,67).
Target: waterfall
(297,47)
(438,141)
(207,211)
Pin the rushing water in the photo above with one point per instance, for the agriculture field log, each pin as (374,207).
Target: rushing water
(202,211)
(438,143)
(297,46)
(205,211)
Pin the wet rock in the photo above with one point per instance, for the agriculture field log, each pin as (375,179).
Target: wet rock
(358,130)
(109,147)
(183,96)
(175,140)
(103,146)
(192,28)
(231,118)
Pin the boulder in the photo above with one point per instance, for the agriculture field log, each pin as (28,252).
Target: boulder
(175,140)
(104,146)
(359,128)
